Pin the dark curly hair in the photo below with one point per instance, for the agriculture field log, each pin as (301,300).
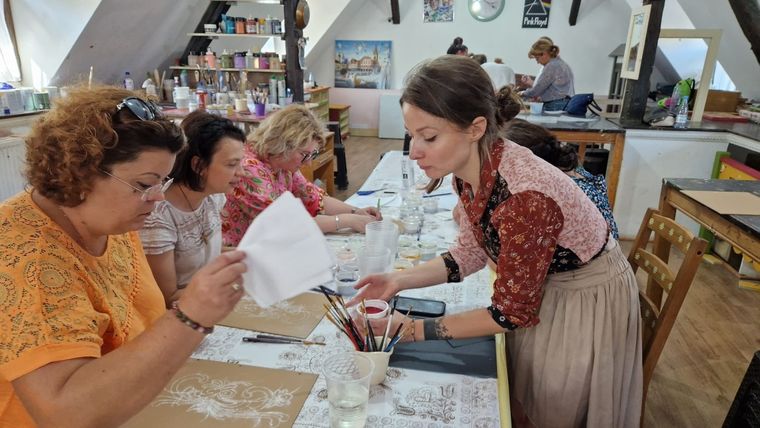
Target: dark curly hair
(510,104)
(203,132)
(83,135)
(542,143)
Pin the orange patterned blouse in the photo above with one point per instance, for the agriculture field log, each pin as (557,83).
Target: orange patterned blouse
(58,302)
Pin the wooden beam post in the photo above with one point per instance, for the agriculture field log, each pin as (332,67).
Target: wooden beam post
(636,91)
(292,35)
(748,15)
(574,9)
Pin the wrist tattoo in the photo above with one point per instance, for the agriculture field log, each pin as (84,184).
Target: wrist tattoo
(435,329)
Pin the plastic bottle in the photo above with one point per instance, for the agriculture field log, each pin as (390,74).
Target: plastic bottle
(250,25)
(249,59)
(407,169)
(210,59)
(240,25)
(262,26)
(183,78)
(281,91)
(273,89)
(682,118)
(129,84)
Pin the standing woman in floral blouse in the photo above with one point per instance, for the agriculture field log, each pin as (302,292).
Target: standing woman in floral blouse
(273,156)
(564,292)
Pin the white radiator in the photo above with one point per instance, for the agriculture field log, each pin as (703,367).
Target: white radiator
(11,166)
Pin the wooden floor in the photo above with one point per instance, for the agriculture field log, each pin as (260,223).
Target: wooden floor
(709,349)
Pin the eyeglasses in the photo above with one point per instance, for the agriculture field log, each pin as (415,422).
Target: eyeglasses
(152,191)
(310,156)
(143,110)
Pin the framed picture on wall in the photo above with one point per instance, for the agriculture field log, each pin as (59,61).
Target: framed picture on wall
(438,11)
(634,44)
(363,64)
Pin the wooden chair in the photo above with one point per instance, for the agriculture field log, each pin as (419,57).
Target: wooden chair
(657,320)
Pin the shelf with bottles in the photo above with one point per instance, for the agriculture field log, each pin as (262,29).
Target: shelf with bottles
(218,35)
(250,70)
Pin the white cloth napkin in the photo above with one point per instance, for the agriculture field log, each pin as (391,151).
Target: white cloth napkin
(286,253)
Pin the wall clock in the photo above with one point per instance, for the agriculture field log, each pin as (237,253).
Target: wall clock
(485,10)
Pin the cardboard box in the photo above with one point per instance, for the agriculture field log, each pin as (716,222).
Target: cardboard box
(722,100)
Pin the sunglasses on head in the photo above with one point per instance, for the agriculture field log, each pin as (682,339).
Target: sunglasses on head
(310,156)
(143,110)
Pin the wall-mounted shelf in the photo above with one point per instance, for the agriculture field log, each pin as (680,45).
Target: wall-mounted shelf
(250,70)
(218,35)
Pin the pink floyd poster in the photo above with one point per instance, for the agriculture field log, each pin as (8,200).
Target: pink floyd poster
(536,13)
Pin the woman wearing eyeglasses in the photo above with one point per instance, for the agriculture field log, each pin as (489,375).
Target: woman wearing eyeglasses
(86,338)
(275,152)
(184,232)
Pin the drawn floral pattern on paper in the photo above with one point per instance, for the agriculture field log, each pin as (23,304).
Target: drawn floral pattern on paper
(221,399)
(295,312)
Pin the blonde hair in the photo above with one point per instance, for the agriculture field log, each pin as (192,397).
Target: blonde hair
(286,131)
(544,44)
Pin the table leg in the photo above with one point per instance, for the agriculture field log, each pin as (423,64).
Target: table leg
(613,168)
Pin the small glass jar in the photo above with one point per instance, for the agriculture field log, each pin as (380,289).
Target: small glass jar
(192,59)
(412,254)
(239,25)
(239,61)
(264,61)
(402,264)
(428,250)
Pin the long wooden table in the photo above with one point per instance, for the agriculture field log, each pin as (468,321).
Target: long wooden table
(741,231)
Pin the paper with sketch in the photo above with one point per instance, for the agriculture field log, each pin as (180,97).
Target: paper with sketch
(286,253)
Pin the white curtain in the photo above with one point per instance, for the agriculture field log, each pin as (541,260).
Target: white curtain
(9,67)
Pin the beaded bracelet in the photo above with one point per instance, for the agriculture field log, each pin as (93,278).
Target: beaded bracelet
(188,322)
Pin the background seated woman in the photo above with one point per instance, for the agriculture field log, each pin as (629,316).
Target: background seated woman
(555,84)
(184,232)
(273,155)
(86,338)
(546,146)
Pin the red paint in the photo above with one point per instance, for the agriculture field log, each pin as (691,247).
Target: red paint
(373,310)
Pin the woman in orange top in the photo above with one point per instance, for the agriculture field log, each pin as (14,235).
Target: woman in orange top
(85,338)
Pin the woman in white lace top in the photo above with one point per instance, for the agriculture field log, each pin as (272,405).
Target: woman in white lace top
(184,232)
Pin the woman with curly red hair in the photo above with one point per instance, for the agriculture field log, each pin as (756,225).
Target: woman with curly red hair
(83,323)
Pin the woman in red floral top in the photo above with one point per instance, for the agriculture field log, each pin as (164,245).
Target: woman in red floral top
(273,156)
(564,291)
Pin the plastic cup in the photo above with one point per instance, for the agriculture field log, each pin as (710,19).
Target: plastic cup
(260,109)
(374,261)
(348,380)
(412,253)
(536,108)
(381,234)
(380,360)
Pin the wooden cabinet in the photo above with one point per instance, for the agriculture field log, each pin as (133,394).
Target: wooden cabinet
(319,101)
(339,113)
(323,166)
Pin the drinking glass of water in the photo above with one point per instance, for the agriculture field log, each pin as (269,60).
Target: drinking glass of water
(347,376)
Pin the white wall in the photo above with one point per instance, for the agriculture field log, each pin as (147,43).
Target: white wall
(582,46)
(585,46)
(45,32)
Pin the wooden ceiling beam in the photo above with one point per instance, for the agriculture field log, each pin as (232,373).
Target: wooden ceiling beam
(748,14)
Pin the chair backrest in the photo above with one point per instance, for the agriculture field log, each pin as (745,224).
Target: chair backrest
(658,320)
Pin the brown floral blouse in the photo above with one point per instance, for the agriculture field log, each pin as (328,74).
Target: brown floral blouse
(521,232)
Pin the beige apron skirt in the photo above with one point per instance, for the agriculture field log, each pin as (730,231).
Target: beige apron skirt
(581,365)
